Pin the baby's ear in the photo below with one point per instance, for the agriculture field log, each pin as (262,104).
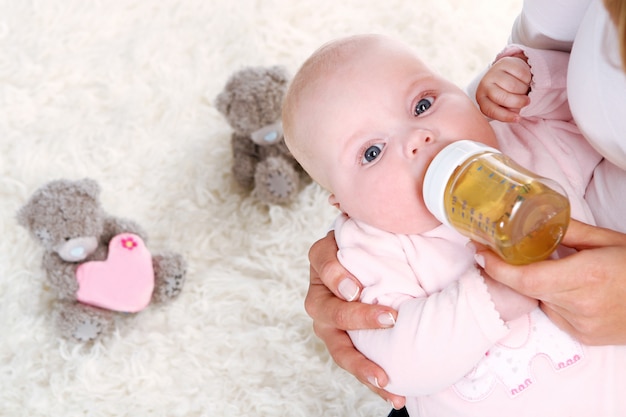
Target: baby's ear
(332,200)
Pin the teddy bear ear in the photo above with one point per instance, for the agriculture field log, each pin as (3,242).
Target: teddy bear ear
(278,74)
(23,216)
(222,102)
(89,187)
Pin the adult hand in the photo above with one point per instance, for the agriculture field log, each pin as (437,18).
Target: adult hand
(584,293)
(329,287)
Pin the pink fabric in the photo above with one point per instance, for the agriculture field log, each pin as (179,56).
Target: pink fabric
(449,351)
(596,88)
(124,282)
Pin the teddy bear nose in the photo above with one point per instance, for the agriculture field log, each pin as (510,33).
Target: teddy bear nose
(268,134)
(78,252)
(270,137)
(77,249)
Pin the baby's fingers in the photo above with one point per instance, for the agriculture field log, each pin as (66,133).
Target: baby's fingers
(512,74)
(497,112)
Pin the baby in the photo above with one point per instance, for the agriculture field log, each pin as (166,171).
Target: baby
(365,116)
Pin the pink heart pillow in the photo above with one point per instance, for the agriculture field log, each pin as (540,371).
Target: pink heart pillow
(124,282)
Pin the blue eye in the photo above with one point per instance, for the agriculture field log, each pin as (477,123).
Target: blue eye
(372,153)
(422,105)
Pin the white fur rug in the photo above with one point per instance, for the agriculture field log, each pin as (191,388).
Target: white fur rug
(123,92)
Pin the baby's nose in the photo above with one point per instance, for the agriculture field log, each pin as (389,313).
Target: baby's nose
(417,140)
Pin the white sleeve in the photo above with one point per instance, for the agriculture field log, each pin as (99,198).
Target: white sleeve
(549,24)
(543,24)
(596,85)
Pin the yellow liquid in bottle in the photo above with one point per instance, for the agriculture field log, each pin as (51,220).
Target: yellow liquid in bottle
(518,216)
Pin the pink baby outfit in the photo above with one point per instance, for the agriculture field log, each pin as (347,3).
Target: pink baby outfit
(450,353)
(596,88)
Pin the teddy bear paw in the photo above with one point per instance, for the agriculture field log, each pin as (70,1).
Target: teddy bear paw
(83,323)
(276,181)
(88,330)
(169,275)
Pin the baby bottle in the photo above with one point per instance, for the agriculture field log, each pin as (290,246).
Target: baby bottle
(489,198)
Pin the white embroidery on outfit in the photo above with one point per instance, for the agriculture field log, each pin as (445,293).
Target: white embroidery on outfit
(508,362)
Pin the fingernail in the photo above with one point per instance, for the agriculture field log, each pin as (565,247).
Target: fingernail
(373,380)
(386,319)
(348,289)
(480,260)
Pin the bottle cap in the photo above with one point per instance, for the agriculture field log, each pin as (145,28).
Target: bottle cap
(441,169)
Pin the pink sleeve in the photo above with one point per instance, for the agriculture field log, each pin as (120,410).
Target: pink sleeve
(547,141)
(441,332)
(377,260)
(548,86)
(548,94)
(548,25)
(436,340)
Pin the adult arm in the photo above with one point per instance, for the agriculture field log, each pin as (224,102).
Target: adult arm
(584,293)
(330,286)
(333,316)
(549,24)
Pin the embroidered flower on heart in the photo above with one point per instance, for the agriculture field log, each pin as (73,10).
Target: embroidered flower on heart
(129,243)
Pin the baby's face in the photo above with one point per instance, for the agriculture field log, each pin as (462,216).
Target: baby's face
(375,124)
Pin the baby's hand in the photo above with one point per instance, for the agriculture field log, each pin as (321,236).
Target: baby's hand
(508,302)
(503,91)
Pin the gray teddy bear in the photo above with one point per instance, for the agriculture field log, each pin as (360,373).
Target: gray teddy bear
(251,101)
(97,265)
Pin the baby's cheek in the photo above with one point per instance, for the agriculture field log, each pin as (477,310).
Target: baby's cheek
(407,214)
